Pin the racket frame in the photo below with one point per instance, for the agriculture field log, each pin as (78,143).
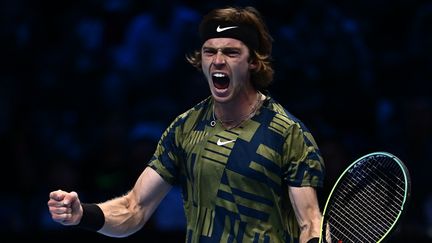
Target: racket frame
(407,191)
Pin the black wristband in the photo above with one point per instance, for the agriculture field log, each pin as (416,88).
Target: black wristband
(313,240)
(93,218)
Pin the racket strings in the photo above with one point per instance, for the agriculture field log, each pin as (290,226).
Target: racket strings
(377,191)
(355,226)
(373,206)
(386,183)
(349,231)
(394,175)
(382,190)
(368,217)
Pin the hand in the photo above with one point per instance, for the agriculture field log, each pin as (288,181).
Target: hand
(65,207)
(327,234)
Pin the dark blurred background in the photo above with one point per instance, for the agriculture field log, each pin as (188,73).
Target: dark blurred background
(87,87)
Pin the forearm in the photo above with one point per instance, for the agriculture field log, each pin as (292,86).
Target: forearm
(305,205)
(123,217)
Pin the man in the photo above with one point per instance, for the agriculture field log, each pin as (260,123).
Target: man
(248,168)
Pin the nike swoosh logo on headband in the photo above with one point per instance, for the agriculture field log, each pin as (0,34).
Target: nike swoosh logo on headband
(219,29)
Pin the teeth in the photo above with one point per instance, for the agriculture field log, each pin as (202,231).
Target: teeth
(219,75)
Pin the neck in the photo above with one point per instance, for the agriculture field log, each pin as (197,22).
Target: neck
(232,116)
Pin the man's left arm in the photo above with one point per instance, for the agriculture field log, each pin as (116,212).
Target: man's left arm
(305,204)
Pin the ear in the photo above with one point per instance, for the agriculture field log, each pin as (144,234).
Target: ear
(252,65)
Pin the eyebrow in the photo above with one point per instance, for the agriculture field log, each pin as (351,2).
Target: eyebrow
(223,49)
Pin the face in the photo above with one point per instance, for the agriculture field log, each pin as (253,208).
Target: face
(225,64)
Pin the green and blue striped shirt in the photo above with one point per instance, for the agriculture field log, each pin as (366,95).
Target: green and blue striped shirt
(235,181)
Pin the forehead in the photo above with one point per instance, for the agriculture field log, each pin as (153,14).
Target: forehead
(224,42)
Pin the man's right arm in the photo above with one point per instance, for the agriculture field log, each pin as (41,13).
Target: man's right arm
(123,215)
(127,214)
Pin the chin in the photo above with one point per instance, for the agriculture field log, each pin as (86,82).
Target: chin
(221,98)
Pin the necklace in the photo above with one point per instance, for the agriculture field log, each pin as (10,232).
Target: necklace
(242,119)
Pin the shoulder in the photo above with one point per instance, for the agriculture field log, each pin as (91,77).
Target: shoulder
(288,125)
(282,115)
(191,116)
(186,121)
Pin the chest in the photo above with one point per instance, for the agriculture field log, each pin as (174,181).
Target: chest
(248,158)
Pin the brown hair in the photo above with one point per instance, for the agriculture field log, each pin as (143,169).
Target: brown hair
(262,75)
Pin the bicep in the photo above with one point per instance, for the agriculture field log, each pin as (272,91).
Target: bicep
(148,191)
(127,214)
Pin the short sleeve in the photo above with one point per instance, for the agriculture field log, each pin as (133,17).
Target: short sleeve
(302,162)
(165,160)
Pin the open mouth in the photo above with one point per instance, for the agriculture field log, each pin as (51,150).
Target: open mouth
(220,80)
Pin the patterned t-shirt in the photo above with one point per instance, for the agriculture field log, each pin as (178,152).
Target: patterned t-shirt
(235,181)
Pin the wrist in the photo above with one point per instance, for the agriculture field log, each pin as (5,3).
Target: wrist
(92,218)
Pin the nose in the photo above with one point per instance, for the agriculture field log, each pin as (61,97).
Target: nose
(219,58)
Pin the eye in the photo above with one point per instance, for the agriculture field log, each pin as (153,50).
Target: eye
(209,52)
(231,52)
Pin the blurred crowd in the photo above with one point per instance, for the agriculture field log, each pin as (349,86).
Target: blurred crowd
(87,88)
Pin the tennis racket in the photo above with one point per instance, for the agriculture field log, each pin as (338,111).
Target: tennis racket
(367,200)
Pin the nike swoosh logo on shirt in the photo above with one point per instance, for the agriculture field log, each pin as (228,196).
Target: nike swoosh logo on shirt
(220,143)
(219,29)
